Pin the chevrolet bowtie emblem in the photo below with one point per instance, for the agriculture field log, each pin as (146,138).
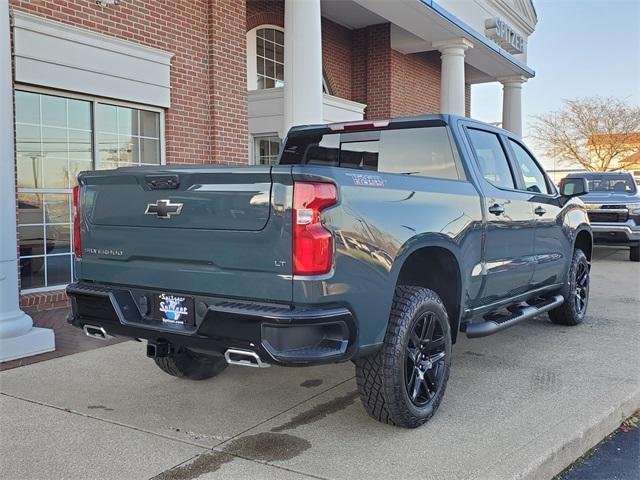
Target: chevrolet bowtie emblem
(163,209)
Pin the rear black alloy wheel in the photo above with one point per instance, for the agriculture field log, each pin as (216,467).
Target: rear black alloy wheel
(403,383)
(184,363)
(424,360)
(575,292)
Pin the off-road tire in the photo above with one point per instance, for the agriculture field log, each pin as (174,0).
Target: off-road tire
(381,377)
(634,253)
(187,364)
(571,312)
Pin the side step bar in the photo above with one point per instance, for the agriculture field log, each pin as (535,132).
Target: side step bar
(484,329)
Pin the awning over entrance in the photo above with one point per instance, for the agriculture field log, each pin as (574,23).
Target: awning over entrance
(468,56)
(423,25)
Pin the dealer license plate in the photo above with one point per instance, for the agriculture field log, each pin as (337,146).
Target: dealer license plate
(173,308)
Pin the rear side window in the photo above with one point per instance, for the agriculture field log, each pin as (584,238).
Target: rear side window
(418,151)
(492,160)
(425,151)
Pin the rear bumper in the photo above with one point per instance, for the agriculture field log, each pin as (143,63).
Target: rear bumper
(613,233)
(280,334)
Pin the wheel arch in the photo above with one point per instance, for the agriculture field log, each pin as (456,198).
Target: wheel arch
(583,240)
(433,264)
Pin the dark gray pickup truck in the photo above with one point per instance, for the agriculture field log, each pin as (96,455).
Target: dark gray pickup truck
(375,242)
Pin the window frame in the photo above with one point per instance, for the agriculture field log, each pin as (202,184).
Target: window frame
(252,52)
(106,101)
(520,183)
(252,71)
(507,156)
(253,152)
(95,160)
(326,85)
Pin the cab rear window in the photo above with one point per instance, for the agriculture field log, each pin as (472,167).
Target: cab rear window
(424,151)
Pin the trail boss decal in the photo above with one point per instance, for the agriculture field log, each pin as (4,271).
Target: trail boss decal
(366,180)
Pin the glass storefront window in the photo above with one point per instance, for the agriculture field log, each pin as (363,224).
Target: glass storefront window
(55,142)
(127,137)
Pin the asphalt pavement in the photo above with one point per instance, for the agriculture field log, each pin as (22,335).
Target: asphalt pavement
(615,458)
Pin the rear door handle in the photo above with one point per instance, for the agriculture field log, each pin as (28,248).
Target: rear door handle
(496,209)
(540,211)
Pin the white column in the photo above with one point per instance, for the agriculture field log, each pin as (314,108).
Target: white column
(18,338)
(302,63)
(452,91)
(512,103)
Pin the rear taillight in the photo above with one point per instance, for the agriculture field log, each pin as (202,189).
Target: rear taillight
(77,247)
(312,243)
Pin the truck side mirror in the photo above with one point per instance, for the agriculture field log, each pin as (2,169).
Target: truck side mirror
(574,187)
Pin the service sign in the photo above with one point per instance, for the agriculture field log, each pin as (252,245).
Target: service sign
(501,32)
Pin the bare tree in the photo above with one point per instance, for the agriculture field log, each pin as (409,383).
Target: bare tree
(597,133)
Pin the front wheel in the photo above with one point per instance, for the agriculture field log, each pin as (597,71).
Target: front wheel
(404,382)
(634,253)
(575,292)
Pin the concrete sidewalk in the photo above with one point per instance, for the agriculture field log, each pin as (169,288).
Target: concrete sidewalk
(522,404)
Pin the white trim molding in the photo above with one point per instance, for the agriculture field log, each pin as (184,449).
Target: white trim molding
(336,109)
(266,111)
(60,56)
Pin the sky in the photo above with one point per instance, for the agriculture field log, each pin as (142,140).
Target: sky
(579,48)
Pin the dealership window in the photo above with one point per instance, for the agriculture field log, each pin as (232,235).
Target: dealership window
(127,136)
(265,59)
(269,58)
(56,138)
(266,150)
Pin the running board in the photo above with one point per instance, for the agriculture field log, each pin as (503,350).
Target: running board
(484,329)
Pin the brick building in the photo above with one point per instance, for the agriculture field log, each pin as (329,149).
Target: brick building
(135,82)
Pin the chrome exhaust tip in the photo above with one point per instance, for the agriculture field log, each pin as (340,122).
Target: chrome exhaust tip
(96,332)
(244,358)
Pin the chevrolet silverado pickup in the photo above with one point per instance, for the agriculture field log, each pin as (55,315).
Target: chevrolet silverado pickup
(613,206)
(375,242)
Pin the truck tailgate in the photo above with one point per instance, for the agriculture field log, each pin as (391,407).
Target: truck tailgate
(208,230)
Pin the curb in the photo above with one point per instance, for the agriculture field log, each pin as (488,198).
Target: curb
(579,440)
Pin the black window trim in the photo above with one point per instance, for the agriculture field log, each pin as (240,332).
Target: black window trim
(499,135)
(511,155)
